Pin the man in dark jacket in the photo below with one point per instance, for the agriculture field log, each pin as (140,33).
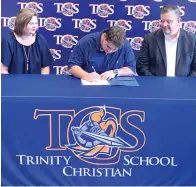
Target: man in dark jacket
(170,51)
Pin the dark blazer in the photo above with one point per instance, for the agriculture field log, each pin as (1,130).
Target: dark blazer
(152,59)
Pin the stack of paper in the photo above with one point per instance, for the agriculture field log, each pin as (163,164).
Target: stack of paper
(88,83)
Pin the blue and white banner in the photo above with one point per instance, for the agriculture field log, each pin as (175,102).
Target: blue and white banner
(57,133)
(63,23)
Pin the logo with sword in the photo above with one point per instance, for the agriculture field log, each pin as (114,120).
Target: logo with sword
(97,136)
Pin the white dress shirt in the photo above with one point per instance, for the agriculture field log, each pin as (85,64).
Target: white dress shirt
(171,48)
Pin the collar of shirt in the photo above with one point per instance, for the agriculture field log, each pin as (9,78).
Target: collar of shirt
(168,39)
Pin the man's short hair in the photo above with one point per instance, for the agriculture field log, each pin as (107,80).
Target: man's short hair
(22,19)
(171,8)
(116,35)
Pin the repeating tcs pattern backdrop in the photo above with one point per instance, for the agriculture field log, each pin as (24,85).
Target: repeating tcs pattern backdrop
(64,23)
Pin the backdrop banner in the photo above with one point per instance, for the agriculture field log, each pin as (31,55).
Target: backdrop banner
(63,23)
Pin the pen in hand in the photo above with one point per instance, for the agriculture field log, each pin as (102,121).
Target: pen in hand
(96,75)
(94,69)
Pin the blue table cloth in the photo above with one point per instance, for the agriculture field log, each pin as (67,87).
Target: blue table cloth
(56,132)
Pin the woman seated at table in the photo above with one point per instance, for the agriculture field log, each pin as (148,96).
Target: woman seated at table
(23,51)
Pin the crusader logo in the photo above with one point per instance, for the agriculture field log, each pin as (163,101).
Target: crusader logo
(140,11)
(55,54)
(154,25)
(86,25)
(51,24)
(11,23)
(123,24)
(68,41)
(69,9)
(103,10)
(34,6)
(98,134)
(190,26)
(136,43)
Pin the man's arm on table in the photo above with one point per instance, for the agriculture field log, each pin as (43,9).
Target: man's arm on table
(124,71)
(129,65)
(4,69)
(45,70)
(77,60)
(77,71)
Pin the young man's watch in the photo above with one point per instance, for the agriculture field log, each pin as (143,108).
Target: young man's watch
(115,72)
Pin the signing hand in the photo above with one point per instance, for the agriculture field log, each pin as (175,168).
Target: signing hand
(4,69)
(92,77)
(108,75)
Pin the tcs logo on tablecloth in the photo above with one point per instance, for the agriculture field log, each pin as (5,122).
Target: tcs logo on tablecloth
(97,134)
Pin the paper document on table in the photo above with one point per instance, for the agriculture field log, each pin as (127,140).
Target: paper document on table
(124,81)
(88,83)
